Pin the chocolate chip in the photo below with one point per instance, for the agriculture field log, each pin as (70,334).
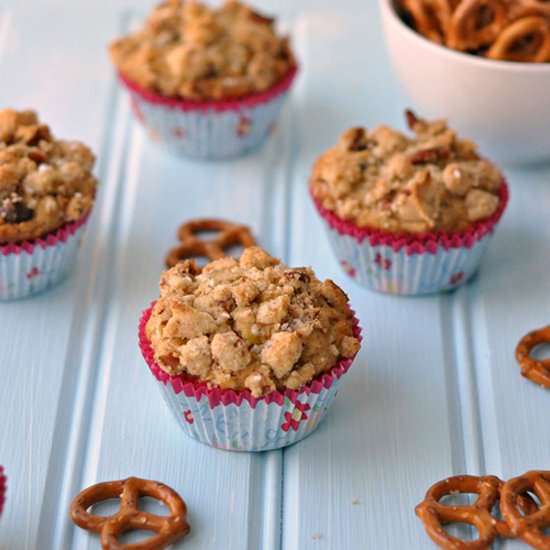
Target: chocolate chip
(16,213)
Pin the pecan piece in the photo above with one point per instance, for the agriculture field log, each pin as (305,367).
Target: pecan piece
(412,119)
(426,156)
(355,139)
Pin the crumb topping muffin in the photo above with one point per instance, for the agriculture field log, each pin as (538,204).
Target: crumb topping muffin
(189,50)
(44,182)
(250,324)
(386,180)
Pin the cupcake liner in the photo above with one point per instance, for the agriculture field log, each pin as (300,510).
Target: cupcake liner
(406,264)
(237,421)
(209,129)
(30,267)
(3,488)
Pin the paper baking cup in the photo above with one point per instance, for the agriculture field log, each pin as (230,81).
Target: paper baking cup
(30,267)
(209,129)
(410,264)
(3,488)
(237,421)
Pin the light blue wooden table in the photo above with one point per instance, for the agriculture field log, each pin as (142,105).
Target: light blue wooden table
(434,392)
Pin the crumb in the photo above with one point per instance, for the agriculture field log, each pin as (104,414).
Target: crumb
(356,502)
(317,536)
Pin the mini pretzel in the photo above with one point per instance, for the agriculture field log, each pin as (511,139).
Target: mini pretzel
(129,517)
(537,371)
(476,23)
(229,234)
(434,515)
(431,17)
(521,8)
(527,39)
(528,527)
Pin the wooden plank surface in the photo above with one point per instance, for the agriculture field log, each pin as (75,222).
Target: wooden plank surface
(435,390)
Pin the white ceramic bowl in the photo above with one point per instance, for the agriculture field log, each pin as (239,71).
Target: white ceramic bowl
(502,106)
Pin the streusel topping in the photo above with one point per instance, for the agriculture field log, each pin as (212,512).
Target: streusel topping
(253,323)
(44,182)
(386,180)
(187,49)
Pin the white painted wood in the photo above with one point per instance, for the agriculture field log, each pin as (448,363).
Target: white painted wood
(435,391)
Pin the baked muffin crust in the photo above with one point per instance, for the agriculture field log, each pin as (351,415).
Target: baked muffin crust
(189,50)
(44,182)
(386,180)
(250,324)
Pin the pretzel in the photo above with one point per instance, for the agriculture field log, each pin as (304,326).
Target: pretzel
(526,39)
(476,23)
(431,17)
(229,234)
(521,8)
(537,371)
(129,517)
(528,527)
(434,515)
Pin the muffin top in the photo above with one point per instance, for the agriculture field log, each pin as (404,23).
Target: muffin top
(250,324)
(44,182)
(189,50)
(386,180)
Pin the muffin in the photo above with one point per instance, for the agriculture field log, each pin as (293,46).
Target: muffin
(206,82)
(248,354)
(408,215)
(46,193)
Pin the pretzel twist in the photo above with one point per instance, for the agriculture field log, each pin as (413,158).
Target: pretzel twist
(479,514)
(521,8)
(191,246)
(431,17)
(526,39)
(536,370)
(476,23)
(168,529)
(528,527)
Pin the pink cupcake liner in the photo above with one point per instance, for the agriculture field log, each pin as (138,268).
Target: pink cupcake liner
(3,489)
(236,420)
(60,235)
(215,129)
(406,264)
(422,243)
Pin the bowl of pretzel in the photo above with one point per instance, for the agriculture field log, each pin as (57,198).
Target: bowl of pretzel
(484,64)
